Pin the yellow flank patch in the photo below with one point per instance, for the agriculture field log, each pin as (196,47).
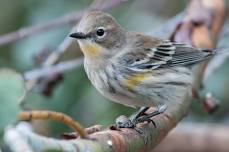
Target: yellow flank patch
(134,80)
(91,49)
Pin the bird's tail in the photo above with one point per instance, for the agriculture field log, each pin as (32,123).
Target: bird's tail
(221,50)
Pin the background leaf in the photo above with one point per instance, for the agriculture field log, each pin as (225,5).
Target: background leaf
(10,81)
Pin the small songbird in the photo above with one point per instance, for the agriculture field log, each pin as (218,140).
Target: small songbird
(135,69)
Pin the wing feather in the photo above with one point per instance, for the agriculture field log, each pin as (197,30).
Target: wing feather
(165,55)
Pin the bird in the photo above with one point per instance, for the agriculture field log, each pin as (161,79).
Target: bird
(136,69)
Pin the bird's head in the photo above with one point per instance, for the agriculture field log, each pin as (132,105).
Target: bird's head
(99,35)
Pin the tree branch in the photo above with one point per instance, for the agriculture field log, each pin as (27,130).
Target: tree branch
(196,138)
(191,137)
(50,70)
(51,115)
(69,19)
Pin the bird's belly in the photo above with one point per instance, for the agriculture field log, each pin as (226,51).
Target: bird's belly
(129,100)
(170,89)
(149,97)
(119,94)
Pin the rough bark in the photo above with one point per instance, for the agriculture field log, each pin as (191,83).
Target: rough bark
(196,138)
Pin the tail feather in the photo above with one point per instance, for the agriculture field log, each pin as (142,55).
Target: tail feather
(220,51)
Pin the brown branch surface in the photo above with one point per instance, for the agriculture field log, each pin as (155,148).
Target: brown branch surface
(200,27)
(191,137)
(196,138)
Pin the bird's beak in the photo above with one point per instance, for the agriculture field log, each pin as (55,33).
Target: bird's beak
(78,35)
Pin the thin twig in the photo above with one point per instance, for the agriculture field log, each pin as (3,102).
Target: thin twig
(69,19)
(61,67)
(51,115)
(90,130)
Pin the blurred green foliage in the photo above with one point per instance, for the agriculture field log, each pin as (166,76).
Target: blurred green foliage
(11,91)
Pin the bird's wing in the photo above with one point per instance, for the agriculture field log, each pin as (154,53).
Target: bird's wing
(165,54)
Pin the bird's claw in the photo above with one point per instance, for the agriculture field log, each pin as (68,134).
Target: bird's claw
(124,122)
(141,116)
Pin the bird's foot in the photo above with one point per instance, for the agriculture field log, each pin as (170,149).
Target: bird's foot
(139,117)
(148,117)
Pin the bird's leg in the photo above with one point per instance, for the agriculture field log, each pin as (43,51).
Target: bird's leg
(139,113)
(140,117)
(124,122)
(147,117)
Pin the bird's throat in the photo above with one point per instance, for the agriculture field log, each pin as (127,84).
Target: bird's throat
(90,49)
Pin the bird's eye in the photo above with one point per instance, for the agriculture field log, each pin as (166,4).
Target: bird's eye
(100,32)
